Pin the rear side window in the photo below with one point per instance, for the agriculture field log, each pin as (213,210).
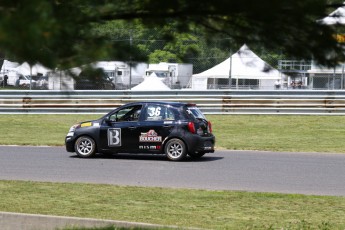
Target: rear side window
(160,112)
(195,112)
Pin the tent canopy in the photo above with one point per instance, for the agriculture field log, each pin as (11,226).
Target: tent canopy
(151,83)
(36,69)
(244,64)
(24,68)
(336,17)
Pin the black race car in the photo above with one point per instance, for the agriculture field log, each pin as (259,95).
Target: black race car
(171,128)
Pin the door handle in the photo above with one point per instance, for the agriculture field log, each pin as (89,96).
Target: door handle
(132,127)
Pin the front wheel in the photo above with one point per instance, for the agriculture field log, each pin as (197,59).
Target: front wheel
(175,149)
(85,147)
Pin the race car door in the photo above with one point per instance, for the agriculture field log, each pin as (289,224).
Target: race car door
(157,123)
(120,132)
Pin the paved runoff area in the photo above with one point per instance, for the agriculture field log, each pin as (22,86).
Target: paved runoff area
(15,221)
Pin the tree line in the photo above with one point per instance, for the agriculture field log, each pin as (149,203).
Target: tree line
(68,33)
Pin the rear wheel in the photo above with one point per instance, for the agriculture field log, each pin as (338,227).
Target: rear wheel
(175,149)
(85,147)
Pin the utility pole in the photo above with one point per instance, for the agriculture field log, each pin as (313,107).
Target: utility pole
(130,58)
(30,75)
(230,71)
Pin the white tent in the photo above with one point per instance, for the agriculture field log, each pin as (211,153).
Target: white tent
(151,83)
(9,65)
(36,69)
(336,17)
(245,65)
(24,68)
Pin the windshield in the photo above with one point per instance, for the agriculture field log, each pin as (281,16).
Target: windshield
(161,74)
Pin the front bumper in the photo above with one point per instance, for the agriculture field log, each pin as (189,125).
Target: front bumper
(69,143)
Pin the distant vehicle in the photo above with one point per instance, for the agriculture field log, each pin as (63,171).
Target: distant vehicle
(16,79)
(171,128)
(25,81)
(42,82)
(122,74)
(93,79)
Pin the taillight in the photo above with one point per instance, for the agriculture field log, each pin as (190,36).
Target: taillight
(209,126)
(191,127)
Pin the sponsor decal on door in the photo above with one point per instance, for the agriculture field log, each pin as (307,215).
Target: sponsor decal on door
(150,147)
(150,136)
(114,137)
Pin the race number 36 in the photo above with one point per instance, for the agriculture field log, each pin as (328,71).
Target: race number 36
(114,137)
(154,111)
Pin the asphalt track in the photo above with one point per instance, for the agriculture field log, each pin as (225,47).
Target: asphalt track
(301,173)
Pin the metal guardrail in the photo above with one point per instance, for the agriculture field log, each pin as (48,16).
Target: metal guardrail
(304,102)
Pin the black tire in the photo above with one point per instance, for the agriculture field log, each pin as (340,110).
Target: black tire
(196,155)
(175,149)
(85,147)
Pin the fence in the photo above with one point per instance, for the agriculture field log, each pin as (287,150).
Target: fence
(237,73)
(306,102)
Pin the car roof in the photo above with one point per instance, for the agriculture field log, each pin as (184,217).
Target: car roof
(173,103)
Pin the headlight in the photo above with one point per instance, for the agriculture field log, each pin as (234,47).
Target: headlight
(72,129)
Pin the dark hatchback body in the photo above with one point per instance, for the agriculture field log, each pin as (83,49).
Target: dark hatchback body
(171,128)
(103,83)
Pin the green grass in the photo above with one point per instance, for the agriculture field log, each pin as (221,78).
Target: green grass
(280,133)
(237,132)
(37,129)
(181,207)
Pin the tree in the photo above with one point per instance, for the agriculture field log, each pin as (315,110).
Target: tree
(62,32)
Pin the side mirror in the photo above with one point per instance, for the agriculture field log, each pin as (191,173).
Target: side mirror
(107,120)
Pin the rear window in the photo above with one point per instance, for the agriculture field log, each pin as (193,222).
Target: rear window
(195,112)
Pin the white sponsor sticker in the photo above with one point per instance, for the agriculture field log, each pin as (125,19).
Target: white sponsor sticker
(150,136)
(114,137)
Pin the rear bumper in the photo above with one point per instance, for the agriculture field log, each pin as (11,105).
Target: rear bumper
(201,144)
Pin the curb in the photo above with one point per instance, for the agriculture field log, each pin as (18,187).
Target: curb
(15,221)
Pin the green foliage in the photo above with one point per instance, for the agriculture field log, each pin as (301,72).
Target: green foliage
(163,56)
(73,32)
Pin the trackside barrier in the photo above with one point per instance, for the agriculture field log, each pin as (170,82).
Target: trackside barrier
(305,102)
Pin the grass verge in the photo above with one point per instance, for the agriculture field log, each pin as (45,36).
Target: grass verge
(181,207)
(238,132)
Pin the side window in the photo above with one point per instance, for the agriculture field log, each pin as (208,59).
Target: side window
(158,113)
(131,113)
(154,113)
(170,114)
